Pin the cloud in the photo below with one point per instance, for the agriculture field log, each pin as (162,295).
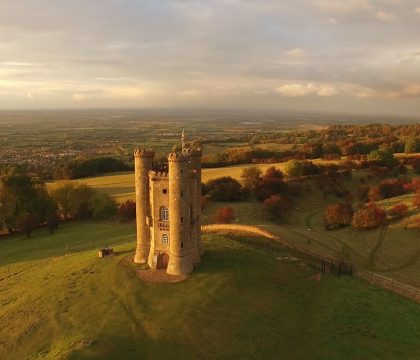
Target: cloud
(210,53)
(297,53)
(417,10)
(302,89)
(384,16)
(332,21)
(345,7)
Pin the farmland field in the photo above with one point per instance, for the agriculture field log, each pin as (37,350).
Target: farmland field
(121,185)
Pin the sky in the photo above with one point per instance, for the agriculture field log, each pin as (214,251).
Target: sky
(355,56)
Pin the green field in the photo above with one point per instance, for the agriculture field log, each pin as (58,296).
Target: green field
(241,302)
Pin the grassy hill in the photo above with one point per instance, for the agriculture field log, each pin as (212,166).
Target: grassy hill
(241,302)
(392,251)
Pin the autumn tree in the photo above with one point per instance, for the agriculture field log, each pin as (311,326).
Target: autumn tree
(374,194)
(225,215)
(276,207)
(338,215)
(398,211)
(369,217)
(127,211)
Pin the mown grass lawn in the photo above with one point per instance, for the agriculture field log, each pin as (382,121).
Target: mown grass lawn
(241,302)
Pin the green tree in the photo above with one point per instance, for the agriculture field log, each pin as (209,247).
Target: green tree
(251,176)
(412,145)
(15,194)
(225,189)
(63,195)
(103,206)
(294,168)
(385,157)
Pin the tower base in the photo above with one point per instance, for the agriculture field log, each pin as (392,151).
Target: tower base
(142,254)
(179,265)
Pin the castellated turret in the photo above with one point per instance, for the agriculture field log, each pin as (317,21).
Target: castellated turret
(168,209)
(143,160)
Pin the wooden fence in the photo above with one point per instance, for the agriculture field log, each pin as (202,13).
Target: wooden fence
(324,263)
(389,284)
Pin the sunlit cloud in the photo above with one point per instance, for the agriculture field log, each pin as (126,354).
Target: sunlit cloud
(299,89)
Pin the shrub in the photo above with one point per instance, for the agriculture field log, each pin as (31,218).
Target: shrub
(127,211)
(338,215)
(369,217)
(273,173)
(225,215)
(270,186)
(276,207)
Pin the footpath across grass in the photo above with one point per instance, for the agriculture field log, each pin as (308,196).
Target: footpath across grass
(241,302)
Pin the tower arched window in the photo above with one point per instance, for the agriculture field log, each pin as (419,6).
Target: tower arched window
(165,239)
(164,214)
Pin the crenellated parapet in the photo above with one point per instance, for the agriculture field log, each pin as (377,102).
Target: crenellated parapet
(144,153)
(158,175)
(177,157)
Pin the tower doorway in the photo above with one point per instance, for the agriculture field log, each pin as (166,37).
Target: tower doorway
(163,259)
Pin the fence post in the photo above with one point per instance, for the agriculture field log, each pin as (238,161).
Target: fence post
(67,248)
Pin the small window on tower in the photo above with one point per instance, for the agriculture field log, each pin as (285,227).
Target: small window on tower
(182,193)
(165,239)
(165,191)
(182,245)
(182,219)
(164,213)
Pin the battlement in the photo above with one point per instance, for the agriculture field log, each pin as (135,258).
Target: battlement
(158,175)
(144,153)
(192,151)
(176,157)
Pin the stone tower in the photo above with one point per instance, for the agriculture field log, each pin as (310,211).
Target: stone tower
(168,211)
(143,160)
